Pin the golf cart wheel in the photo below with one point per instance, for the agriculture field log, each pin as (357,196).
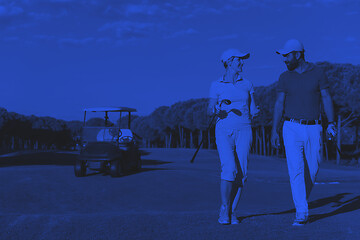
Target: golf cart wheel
(115,168)
(80,168)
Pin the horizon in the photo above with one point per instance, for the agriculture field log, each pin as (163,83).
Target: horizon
(61,56)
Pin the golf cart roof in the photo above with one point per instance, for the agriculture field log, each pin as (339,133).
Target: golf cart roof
(110,109)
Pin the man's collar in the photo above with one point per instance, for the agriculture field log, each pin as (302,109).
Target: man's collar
(308,67)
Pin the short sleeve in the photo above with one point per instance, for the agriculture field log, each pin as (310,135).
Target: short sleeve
(323,81)
(281,87)
(213,90)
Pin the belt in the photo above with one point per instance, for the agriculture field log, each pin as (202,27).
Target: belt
(303,121)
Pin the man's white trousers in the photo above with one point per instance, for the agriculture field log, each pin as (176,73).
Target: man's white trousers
(303,145)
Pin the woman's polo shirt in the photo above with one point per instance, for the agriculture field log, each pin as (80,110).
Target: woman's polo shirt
(239,95)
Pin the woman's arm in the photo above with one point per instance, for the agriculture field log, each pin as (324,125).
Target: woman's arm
(214,98)
(212,106)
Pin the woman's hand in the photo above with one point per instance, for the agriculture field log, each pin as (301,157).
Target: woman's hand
(222,114)
(254,111)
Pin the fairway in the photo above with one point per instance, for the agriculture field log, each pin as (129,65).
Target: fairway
(169,199)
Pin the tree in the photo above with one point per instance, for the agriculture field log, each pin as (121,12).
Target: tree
(344,82)
(157,121)
(175,118)
(196,119)
(97,122)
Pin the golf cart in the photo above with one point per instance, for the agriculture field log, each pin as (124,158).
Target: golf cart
(108,147)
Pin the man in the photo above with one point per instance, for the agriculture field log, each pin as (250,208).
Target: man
(300,91)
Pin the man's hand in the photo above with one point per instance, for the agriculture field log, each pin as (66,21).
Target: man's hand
(331,131)
(278,111)
(275,140)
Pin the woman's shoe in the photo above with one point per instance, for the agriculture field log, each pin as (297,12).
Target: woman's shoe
(224,216)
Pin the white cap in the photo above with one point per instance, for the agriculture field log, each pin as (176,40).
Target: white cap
(292,45)
(233,53)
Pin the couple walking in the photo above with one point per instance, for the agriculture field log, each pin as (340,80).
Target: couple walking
(300,91)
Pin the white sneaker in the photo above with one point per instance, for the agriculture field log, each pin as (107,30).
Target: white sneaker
(234,219)
(224,216)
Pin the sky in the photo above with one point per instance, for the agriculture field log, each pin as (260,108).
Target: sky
(58,57)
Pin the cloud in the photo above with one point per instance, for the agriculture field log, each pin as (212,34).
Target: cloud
(141,9)
(225,37)
(75,42)
(302,5)
(62,1)
(200,9)
(104,40)
(344,2)
(263,67)
(203,9)
(351,13)
(181,33)
(128,30)
(17,27)
(328,1)
(44,37)
(276,3)
(163,9)
(40,16)
(350,39)
(48,15)
(122,21)
(231,7)
(11,39)
(6,11)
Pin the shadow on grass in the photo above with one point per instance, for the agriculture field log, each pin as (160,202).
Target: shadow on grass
(146,162)
(347,206)
(127,173)
(144,152)
(342,207)
(53,158)
(39,158)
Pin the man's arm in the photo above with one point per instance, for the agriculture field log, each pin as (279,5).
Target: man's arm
(329,111)
(328,105)
(278,111)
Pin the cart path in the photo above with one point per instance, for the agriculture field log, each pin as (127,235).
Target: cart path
(169,199)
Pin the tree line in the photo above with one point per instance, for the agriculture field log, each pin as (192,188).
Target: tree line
(19,132)
(185,123)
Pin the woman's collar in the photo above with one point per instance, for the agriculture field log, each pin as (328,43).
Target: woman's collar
(239,78)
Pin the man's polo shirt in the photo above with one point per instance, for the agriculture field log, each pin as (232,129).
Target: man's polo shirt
(239,95)
(302,91)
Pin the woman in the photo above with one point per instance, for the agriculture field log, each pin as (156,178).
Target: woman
(231,98)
